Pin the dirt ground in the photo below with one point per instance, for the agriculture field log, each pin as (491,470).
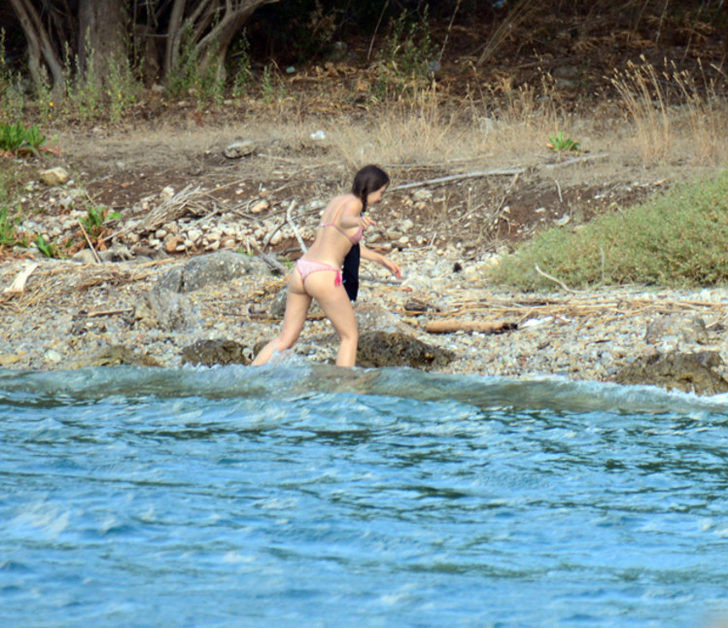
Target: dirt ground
(476,211)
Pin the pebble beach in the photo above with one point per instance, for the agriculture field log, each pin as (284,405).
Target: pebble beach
(70,315)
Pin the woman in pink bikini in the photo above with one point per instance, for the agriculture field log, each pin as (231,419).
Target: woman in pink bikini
(318,272)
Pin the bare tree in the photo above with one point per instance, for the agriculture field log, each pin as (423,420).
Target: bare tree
(208,27)
(42,48)
(95,32)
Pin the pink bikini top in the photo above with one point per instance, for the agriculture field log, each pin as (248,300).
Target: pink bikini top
(353,238)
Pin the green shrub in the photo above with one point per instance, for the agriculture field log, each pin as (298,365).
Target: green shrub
(8,235)
(406,57)
(17,139)
(675,239)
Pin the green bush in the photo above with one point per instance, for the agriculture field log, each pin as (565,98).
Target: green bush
(406,57)
(16,139)
(675,239)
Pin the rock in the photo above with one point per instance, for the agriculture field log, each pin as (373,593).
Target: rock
(54,176)
(374,317)
(84,256)
(259,206)
(236,150)
(675,328)
(381,348)
(118,354)
(171,244)
(212,352)
(164,309)
(116,253)
(422,195)
(52,356)
(689,372)
(203,270)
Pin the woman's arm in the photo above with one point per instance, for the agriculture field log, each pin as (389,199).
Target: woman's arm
(380,259)
(351,216)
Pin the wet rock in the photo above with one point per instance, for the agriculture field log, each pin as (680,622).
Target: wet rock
(118,354)
(212,352)
(164,309)
(381,348)
(204,270)
(689,372)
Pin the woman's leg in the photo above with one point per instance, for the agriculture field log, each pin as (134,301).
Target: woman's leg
(297,304)
(337,307)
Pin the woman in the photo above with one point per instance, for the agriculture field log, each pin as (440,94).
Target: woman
(318,275)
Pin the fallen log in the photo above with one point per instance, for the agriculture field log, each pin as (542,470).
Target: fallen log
(453,325)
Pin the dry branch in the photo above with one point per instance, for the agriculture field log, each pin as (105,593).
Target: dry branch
(18,285)
(458,177)
(294,228)
(452,325)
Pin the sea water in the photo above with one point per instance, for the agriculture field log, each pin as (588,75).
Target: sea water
(314,496)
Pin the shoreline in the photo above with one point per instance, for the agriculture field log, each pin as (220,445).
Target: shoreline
(70,315)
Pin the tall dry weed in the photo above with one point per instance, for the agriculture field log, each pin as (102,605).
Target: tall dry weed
(702,117)
(642,93)
(416,133)
(523,118)
(675,113)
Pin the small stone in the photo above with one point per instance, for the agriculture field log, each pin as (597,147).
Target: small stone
(52,356)
(236,150)
(54,176)
(260,206)
(171,244)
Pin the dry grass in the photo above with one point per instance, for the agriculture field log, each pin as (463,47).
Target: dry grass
(675,115)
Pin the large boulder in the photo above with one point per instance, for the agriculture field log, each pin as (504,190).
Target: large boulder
(164,309)
(209,269)
(689,372)
(674,329)
(383,348)
(212,352)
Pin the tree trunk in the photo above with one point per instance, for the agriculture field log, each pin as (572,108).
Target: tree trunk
(39,44)
(102,36)
(211,43)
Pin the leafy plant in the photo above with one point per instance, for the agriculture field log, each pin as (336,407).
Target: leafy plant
(407,57)
(95,219)
(8,237)
(47,249)
(558,143)
(242,66)
(16,139)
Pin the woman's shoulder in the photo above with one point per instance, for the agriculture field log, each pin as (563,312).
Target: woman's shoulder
(345,203)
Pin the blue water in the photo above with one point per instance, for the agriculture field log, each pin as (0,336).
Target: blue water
(311,496)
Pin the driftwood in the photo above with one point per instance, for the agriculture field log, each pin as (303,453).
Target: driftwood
(18,285)
(452,325)
(458,177)
(294,228)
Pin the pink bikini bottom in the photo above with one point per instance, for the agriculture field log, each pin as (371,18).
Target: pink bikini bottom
(306,266)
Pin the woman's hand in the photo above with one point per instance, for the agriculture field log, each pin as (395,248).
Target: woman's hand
(392,267)
(365,221)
